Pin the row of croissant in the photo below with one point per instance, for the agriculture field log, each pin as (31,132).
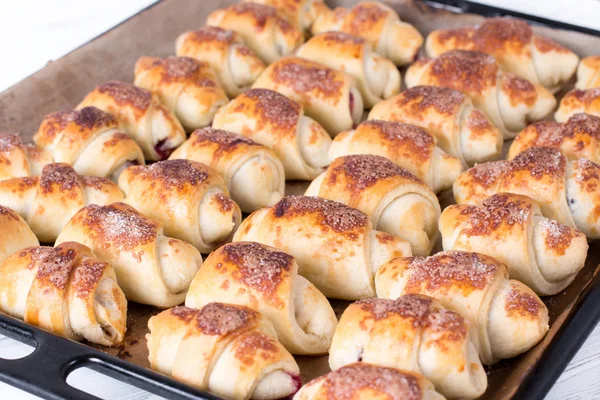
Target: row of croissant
(149,239)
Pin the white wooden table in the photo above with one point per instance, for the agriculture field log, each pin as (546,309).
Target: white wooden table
(32,32)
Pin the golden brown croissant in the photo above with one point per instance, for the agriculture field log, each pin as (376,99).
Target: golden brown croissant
(235,64)
(461,129)
(362,381)
(378,24)
(397,202)
(16,234)
(335,246)
(540,252)
(517,49)
(141,115)
(577,138)
(65,290)
(327,94)
(588,73)
(408,146)
(253,173)
(271,119)
(565,190)
(507,316)
(377,78)
(189,198)
(151,268)
(578,101)
(267,33)
(414,333)
(18,160)
(229,350)
(266,279)
(48,202)
(511,102)
(90,140)
(188,87)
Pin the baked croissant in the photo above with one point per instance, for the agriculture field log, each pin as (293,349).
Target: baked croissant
(408,146)
(461,129)
(565,190)
(300,13)
(18,160)
(189,88)
(48,202)
(508,317)
(379,25)
(151,268)
(517,49)
(141,115)
(588,73)
(189,198)
(65,290)
(367,381)
(578,137)
(235,64)
(230,350)
(265,279)
(271,119)
(578,101)
(253,173)
(327,95)
(267,33)
(16,234)
(511,102)
(377,78)
(413,333)
(89,139)
(335,246)
(540,252)
(395,200)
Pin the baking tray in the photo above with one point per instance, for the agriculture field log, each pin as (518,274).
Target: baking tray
(63,83)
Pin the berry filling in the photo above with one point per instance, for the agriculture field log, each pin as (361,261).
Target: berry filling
(163,150)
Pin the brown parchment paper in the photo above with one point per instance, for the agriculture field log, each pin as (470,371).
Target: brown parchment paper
(63,83)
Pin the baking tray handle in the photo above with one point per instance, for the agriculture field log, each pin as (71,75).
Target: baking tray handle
(44,372)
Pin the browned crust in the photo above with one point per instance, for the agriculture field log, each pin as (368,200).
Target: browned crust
(411,140)
(334,215)
(60,176)
(261,15)
(126,94)
(496,211)
(558,236)
(347,382)
(8,213)
(539,162)
(213,33)
(173,175)
(254,346)
(365,17)
(87,276)
(464,70)
(502,34)
(9,142)
(273,108)
(545,45)
(519,90)
(306,76)
(451,270)
(217,318)
(259,267)
(363,170)
(523,304)
(55,265)
(443,100)
(118,225)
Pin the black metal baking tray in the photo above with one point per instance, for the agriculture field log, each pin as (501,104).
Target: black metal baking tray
(44,372)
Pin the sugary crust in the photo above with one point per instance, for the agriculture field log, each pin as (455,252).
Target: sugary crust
(327,214)
(118,226)
(361,380)
(270,108)
(518,90)
(523,304)
(308,78)
(183,70)
(216,319)
(360,172)
(126,95)
(467,71)
(401,140)
(366,18)
(419,99)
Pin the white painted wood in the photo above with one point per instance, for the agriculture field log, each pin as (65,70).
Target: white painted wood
(32,32)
